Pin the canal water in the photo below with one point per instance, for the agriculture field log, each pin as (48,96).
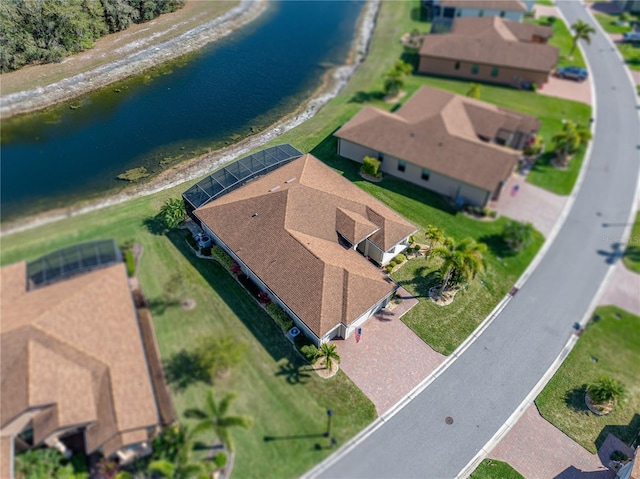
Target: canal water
(203,101)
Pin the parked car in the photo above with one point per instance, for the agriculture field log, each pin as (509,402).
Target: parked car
(572,73)
(631,37)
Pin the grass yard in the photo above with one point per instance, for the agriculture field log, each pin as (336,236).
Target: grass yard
(274,387)
(631,54)
(631,257)
(563,39)
(608,347)
(492,469)
(630,51)
(608,22)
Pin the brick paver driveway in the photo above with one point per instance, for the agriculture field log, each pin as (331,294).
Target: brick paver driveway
(390,360)
(538,450)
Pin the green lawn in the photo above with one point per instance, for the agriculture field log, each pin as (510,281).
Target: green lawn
(608,347)
(631,257)
(492,469)
(563,39)
(630,51)
(631,54)
(608,22)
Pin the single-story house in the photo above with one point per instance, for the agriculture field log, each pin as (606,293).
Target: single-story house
(307,236)
(491,50)
(632,6)
(449,9)
(457,146)
(74,368)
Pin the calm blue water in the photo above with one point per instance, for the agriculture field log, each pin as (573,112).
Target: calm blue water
(204,101)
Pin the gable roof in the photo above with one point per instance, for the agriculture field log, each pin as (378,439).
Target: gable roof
(509,5)
(289,238)
(438,130)
(493,41)
(73,348)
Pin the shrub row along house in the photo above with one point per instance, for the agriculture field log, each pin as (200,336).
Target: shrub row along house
(491,50)
(457,146)
(80,364)
(306,236)
(449,9)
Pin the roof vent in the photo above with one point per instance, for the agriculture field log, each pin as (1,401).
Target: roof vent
(254,215)
(277,187)
(290,180)
(413,134)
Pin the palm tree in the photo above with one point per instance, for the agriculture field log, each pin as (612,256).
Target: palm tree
(567,142)
(214,417)
(328,352)
(473,91)
(606,389)
(435,236)
(461,261)
(394,78)
(173,212)
(183,467)
(583,31)
(518,235)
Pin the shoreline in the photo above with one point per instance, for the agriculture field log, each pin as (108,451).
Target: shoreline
(333,83)
(69,88)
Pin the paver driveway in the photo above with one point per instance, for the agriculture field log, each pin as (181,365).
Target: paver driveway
(389,360)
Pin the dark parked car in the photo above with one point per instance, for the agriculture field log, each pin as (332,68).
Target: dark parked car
(572,73)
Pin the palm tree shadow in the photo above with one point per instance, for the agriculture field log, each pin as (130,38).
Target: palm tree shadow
(293,373)
(154,225)
(422,281)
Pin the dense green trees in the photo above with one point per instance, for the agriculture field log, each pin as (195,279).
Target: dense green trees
(47,31)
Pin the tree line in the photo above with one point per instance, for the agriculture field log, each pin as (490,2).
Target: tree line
(46,31)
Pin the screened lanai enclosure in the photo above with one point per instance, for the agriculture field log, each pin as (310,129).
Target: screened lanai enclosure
(236,174)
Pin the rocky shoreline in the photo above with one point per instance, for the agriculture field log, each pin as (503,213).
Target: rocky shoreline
(333,83)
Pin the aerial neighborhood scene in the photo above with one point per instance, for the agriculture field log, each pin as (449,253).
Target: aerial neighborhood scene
(319,239)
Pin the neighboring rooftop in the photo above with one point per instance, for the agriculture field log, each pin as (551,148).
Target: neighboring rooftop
(73,348)
(284,226)
(440,131)
(493,41)
(511,5)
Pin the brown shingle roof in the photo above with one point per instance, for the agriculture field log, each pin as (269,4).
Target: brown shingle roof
(288,238)
(439,131)
(74,345)
(509,5)
(491,41)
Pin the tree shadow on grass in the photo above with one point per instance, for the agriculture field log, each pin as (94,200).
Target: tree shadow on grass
(422,281)
(366,96)
(294,373)
(160,305)
(574,399)
(544,162)
(627,433)
(183,369)
(497,245)
(154,225)
(257,321)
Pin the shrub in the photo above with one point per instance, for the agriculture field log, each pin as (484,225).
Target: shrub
(130,262)
(310,352)
(235,268)
(399,259)
(517,235)
(280,317)
(173,212)
(411,239)
(192,241)
(486,211)
(618,456)
(493,214)
(416,247)
(263,297)
(206,251)
(606,389)
(218,354)
(550,20)
(222,256)
(534,87)
(220,460)
(392,263)
(389,269)
(534,146)
(370,166)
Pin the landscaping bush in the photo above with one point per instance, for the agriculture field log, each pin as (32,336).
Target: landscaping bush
(217,355)
(370,166)
(411,239)
(192,241)
(220,460)
(280,317)
(399,259)
(534,87)
(206,251)
(392,263)
(310,352)
(389,269)
(416,248)
(222,256)
(263,297)
(130,262)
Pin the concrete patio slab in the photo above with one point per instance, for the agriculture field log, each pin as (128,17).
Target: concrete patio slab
(389,360)
(538,450)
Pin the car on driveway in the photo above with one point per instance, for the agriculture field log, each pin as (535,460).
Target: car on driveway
(631,37)
(572,73)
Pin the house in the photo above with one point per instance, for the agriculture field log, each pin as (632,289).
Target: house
(630,470)
(491,50)
(632,6)
(457,146)
(75,368)
(307,236)
(450,9)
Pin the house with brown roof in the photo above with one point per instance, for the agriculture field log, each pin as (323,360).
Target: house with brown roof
(449,9)
(74,362)
(491,50)
(307,236)
(459,147)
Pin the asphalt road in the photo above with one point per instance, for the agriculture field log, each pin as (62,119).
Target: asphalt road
(487,383)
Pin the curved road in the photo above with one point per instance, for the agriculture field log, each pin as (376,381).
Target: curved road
(488,382)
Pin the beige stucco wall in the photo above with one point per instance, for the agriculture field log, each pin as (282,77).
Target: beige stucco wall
(475,12)
(506,76)
(437,182)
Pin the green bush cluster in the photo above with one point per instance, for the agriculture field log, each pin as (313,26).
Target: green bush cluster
(222,256)
(399,259)
(280,317)
(370,166)
(389,268)
(310,352)
(130,262)
(206,251)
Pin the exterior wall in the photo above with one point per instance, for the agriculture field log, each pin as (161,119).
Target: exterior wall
(355,152)
(475,12)
(506,76)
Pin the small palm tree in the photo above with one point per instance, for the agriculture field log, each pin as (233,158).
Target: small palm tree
(394,78)
(473,91)
(582,31)
(518,235)
(173,212)
(329,354)
(606,389)
(435,236)
(567,142)
(214,417)
(461,261)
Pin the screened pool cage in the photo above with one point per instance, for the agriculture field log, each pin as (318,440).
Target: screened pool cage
(71,261)
(236,174)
